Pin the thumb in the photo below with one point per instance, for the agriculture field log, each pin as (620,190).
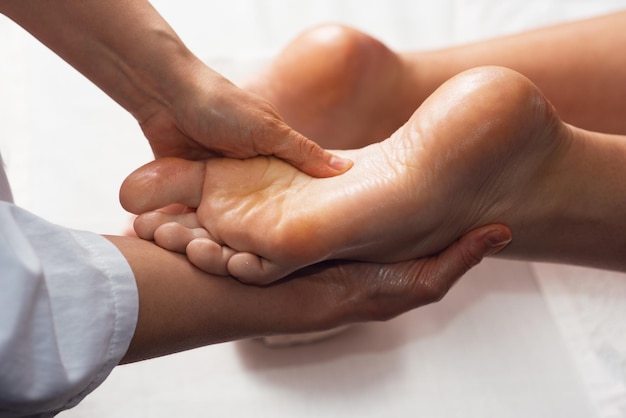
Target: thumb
(439,273)
(397,288)
(306,155)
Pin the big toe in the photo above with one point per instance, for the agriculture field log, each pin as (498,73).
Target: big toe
(163,182)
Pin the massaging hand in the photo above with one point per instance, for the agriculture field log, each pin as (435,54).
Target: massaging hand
(185,108)
(336,293)
(202,309)
(214,117)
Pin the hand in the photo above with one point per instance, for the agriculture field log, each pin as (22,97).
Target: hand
(214,117)
(358,292)
(182,308)
(185,108)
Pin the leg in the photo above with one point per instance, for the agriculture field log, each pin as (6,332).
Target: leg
(481,145)
(583,81)
(332,80)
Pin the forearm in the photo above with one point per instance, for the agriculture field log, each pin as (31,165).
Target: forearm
(577,65)
(182,308)
(124,47)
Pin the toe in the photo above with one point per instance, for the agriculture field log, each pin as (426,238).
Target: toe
(146,224)
(209,256)
(161,183)
(252,269)
(175,237)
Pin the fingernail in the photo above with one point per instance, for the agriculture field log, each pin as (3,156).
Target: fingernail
(497,240)
(340,164)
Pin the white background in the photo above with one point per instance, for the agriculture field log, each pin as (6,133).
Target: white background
(511,340)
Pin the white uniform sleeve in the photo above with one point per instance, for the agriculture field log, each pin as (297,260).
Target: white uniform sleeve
(68,310)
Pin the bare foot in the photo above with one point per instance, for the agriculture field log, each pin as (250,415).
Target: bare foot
(338,86)
(481,149)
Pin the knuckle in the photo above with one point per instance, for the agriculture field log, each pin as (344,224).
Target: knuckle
(431,290)
(385,293)
(468,258)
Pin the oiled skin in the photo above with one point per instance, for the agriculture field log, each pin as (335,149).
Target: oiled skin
(446,171)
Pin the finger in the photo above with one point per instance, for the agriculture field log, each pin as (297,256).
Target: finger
(388,290)
(161,183)
(305,155)
(437,275)
(209,256)
(147,223)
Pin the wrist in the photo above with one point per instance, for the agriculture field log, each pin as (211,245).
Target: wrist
(157,84)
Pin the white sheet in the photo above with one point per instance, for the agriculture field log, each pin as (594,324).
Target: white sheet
(511,340)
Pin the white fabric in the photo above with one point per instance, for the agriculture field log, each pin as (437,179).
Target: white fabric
(5,189)
(589,307)
(498,346)
(68,309)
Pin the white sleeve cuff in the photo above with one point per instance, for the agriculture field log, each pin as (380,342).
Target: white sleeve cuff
(68,310)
